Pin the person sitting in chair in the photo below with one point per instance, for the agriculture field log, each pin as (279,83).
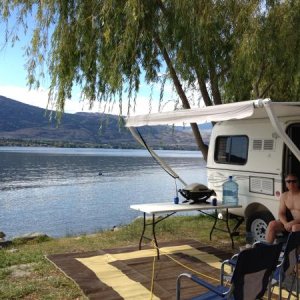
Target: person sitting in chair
(289,210)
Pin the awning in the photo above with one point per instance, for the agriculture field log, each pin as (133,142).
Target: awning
(217,113)
(223,112)
(261,108)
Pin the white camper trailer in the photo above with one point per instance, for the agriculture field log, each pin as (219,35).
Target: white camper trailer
(256,142)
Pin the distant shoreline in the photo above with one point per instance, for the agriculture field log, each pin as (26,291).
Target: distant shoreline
(65,144)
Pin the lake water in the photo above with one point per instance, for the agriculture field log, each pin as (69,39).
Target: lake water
(59,192)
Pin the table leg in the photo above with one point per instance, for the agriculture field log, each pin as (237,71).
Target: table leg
(153,224)
(214,225)
(228,228)
(143,232)
(226,220)
(154,236)
(239,221)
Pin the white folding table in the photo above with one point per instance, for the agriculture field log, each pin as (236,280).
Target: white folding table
(165,210)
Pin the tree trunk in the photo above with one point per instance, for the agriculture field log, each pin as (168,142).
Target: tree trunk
(203,90)
(202,147)
(214,86)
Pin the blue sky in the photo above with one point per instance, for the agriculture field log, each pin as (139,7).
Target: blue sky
(13,83)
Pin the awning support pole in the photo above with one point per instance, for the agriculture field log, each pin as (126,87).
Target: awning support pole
(162,163)
(278,128)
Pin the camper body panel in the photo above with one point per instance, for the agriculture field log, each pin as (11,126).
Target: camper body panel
(256,160)
(260,177)
(256,141)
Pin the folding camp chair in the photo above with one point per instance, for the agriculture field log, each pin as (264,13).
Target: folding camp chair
(250,277)
(231,262)
(288,266)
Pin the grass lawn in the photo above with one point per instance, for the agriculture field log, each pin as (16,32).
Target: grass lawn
(25,273)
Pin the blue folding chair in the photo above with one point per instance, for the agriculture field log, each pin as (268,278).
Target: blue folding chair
(288,267)
(250,279)
(231,262)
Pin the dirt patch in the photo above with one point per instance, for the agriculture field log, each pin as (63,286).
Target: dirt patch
(21,270)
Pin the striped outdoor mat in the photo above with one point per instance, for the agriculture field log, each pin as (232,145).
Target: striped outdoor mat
(126,273)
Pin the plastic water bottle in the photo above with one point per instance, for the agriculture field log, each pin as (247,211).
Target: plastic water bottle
(230,191)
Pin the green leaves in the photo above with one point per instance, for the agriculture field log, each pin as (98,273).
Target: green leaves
(229,50)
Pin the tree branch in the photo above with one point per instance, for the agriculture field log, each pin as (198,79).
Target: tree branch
(202,147)
(267,88)
(203,90)
(214,86)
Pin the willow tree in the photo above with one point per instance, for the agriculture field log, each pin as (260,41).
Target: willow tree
(239,50)
(107,47)
(266,60)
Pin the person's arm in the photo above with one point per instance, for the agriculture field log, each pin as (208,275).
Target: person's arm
(282,211)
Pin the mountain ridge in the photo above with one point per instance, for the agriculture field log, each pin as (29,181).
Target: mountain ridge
(24,123)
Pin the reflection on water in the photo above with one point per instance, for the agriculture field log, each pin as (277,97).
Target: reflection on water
(60,192)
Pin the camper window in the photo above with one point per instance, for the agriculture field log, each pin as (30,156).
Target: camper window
(231,150)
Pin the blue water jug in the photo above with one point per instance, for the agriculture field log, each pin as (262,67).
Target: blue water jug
(230,192)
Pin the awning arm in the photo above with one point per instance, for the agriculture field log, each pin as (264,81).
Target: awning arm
(135,133)
(279,129)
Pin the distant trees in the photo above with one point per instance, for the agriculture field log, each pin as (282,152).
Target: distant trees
(225,50)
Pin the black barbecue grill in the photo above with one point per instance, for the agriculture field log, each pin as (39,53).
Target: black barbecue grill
(196,193)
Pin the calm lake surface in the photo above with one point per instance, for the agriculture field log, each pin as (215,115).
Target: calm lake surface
(59,192)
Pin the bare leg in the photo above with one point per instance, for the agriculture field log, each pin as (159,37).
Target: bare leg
(274,227)
(296,227)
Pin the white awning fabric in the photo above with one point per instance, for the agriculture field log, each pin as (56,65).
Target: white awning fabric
(237,110)
(261,108)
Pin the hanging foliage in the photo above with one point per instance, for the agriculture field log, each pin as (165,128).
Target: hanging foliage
(227,50)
